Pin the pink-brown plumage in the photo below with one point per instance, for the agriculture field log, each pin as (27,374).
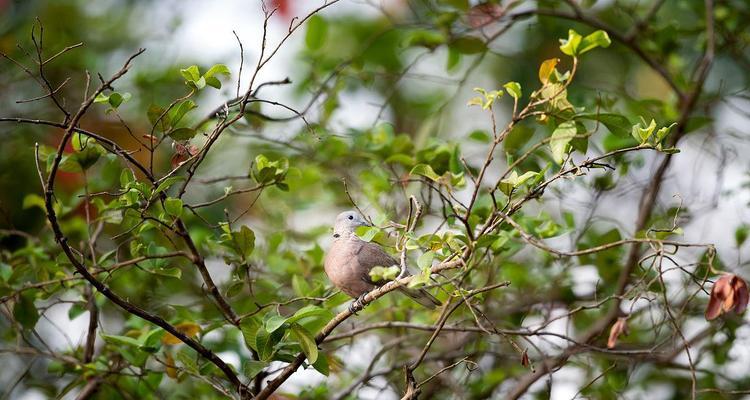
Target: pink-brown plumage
(350,259)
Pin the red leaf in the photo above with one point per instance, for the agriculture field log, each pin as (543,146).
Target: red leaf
(729,293)
(182,152)
(284,7)
(740,294)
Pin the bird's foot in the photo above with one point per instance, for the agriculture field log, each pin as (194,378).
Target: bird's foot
(357,304)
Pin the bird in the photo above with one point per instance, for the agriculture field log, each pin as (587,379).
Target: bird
(349,260)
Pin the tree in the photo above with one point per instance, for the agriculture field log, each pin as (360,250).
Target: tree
(197,278)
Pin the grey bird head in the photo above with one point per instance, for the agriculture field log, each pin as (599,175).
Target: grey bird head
(347,222)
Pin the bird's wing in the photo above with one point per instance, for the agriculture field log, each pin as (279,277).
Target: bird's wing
(371,255)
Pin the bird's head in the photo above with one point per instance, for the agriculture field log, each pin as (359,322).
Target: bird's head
(347,222)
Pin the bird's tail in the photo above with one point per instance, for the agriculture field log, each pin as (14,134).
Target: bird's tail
(421,296)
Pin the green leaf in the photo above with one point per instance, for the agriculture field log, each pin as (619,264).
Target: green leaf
(560,139)
(121,340)
(469,45)
(249,327)
(641,134)
(380,273)
(251,368)
(306,341)
(741,234)
(425,38)
(597,39)
(454,58)
(264,344)
(367,233)
(462,5)
(525,177)
(317,29)
(167,183)
(421,279)
(87,157)
(518,137)
(424,170)
(126,177)
(24,311)
(75,310)
(300,285)
(191,73)
(663,132)
(513,181)
(310,311)
(173,206)
(399,158)
(267,171)
(480,136)
(151,341)
(182,134)
(213,82)
(217,69)
(617,124)
(513,89)
(116,99)
(200,83)
(476,101)
(210,75)
(274,323)
(570,45)
(101,98)
(425,260)
(557,96)
(178,112)
(321,365)
(243,242)
(153,113)
(172,272)
(80,142)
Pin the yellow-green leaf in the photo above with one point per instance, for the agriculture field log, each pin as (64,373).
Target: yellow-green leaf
(513,89)
(545,70)
(597,39)
(570,45)
(173,206)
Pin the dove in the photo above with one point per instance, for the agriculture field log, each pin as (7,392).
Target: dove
(350,259)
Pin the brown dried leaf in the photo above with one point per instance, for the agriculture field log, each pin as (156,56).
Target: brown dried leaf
(525,358)
(620,327)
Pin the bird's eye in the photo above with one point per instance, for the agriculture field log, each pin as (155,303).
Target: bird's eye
(351,217)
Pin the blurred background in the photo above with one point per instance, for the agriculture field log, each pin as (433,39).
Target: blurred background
(389,80)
